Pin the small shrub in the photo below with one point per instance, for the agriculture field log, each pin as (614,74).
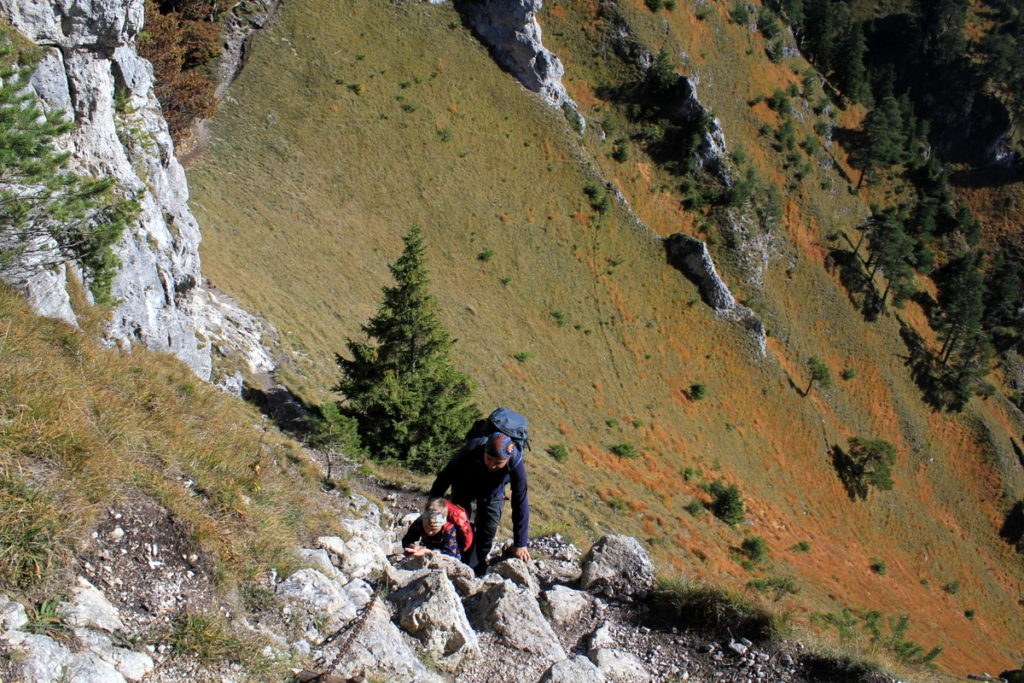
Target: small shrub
(625,450)
(620,150)
(695,508)
(612,423)
(727,503)
(953,587)
(654,5)
(969,613)
(878,566)
(801,547)
(616,503)
(598,197)
(848,374)
(523,356)
(44,620)
(559,317)
(691,473)
(698,392)
(755,548)
(559,452)
(445,134)
(485,255)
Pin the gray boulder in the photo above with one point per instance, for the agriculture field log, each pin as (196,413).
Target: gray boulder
(89,608)
(618,567)
(567,605)
(519,573)
(691,257)
(459,573)
(430,609)
(579,669)
(514,616)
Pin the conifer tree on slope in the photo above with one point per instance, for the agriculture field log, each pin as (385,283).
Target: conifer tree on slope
(412,405)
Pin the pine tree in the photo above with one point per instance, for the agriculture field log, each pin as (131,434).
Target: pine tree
(412,405)
(48,215)
(819,373)
(868,464)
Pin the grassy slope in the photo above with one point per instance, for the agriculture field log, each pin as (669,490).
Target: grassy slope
(316,170)
(84,428)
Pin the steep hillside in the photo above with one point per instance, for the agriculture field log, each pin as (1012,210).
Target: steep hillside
(346,128)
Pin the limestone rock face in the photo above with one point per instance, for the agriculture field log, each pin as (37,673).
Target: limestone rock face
(691,257)
(89,55)
(510,29)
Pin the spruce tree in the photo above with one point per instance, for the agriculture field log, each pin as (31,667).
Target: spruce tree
(48,215)
(411,404)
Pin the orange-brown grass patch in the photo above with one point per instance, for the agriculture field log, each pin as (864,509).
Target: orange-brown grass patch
(583,93)
(558,12)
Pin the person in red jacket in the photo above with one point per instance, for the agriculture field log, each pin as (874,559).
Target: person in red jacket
(443,526)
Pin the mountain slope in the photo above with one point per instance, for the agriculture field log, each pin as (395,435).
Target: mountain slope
(343,131)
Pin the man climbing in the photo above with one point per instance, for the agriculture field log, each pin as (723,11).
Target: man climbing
(478,473)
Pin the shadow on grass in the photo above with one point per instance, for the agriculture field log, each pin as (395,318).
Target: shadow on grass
(847,470)
(1013,527)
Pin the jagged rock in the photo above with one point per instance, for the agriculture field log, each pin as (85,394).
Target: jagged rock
(510,29)
(567,605)
(242,20)
(159,286)
(618,566)
(515,617)
(579,669)
(430,609)
(41,659)
(320,560)
(12,615)
(317,596)
(369,530)
(134,666)
(459,573)
(379,651)
(519,573)
(691,257)
(89,608)
(359,557)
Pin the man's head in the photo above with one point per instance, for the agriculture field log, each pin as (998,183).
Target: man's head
(435,514)
(498,451)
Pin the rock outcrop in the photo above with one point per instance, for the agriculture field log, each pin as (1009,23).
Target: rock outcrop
(510,29)
(91,70)
(691,257)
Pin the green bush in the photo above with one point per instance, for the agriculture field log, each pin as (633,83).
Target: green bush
(727,503)
(695,508)
(559,452)
(801,547)
(598,197)
(878,566)
(777,586)
(485,255)
(523,356)
(755,548)
(625,450)
(698,392)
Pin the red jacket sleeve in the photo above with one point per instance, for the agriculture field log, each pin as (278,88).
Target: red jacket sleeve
(457,516)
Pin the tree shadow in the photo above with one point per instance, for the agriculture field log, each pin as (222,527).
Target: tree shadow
(847,469)
(1013,527)
(854,279)
(990,176)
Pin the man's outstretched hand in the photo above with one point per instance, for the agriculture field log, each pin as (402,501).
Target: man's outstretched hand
(522,553)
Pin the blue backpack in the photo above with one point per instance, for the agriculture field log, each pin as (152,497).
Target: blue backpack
(505,421)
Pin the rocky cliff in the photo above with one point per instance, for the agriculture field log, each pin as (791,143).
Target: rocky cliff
(91,70)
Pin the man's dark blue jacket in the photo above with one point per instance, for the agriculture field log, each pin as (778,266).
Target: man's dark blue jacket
(471,481)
